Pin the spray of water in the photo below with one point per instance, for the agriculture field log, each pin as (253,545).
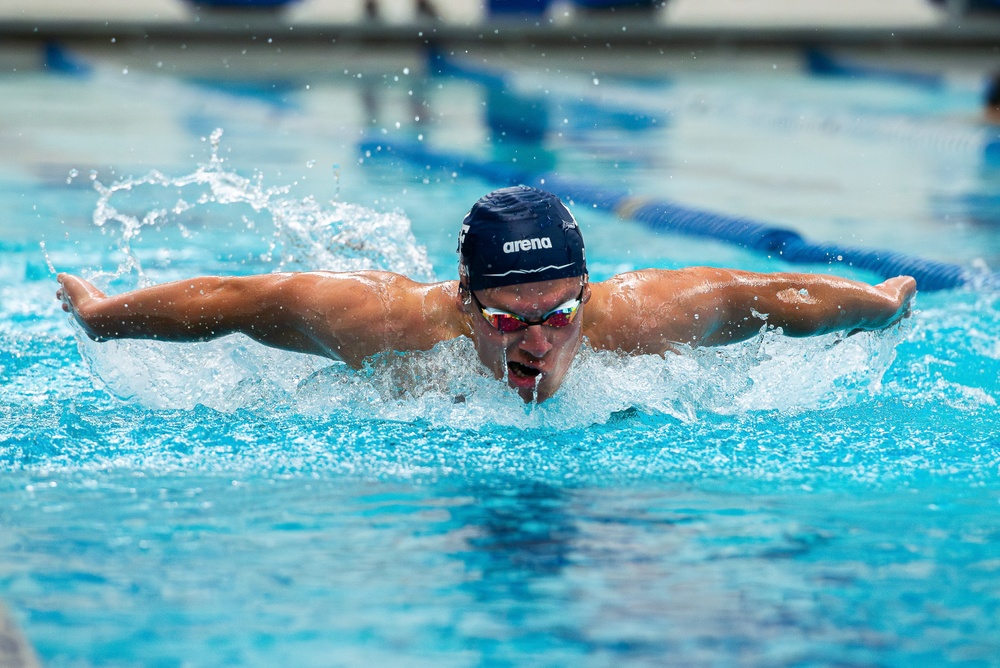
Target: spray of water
(281,233)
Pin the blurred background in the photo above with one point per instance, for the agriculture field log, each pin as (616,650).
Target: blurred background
(855,13)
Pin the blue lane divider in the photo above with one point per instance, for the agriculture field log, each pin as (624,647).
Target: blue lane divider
(662,215)
(823,64)
(58,59)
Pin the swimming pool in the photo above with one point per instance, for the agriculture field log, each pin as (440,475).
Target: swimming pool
(779,502)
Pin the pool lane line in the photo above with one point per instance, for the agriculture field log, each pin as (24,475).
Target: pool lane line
(56,58)
(821,63)
(15,651)
(664,216)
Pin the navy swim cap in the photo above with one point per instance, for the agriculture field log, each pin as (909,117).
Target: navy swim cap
(520,235)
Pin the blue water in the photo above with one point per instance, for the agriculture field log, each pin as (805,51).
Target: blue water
(829,501)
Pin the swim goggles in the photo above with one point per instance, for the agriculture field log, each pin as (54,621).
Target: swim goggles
(505,322)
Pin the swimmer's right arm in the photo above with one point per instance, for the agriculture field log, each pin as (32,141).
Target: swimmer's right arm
(343,316)
(197,309)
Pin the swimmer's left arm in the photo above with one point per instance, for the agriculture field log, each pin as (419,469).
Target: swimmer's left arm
(807,305)
(737,304)
(703,306)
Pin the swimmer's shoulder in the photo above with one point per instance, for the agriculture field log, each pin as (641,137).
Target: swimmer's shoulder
(384,310)
(427,313)
(370,294)
(643,311)
(420,314)
(624,289)
(661,283)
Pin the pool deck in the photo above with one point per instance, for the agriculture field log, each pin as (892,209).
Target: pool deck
(907,23)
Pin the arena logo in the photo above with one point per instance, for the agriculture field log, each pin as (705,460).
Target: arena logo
(527,244)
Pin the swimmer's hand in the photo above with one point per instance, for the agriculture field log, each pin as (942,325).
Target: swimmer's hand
(902,289)
(900,292)
(80,298)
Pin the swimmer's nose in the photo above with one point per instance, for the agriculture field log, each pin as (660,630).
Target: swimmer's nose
(534,341)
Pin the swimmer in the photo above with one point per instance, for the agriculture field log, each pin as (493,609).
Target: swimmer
(523,297)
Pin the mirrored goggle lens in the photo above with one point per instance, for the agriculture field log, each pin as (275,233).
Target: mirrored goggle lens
(562,317)
(508,322)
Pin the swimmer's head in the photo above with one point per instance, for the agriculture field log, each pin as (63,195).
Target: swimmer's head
(519,235)
(521,257)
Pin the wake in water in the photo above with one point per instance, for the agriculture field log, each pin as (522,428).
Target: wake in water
(197,233)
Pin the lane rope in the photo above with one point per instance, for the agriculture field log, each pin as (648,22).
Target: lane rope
(665,216)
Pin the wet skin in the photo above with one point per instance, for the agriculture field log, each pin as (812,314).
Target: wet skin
(535,360)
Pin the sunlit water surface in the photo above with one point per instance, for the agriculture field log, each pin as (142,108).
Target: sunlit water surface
(776,502)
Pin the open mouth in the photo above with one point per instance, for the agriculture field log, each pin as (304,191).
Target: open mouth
(522,370)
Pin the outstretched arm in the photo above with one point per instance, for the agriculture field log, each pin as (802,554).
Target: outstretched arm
(342,316)
(707,306)
(198,309)
(807,305)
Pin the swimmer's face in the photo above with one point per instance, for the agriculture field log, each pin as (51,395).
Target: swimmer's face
(533,360)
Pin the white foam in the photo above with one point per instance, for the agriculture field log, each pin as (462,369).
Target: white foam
(449,386)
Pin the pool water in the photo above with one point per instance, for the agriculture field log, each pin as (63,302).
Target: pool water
(828,501)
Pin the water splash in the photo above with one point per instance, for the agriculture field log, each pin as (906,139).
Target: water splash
(449,386)
(252,228)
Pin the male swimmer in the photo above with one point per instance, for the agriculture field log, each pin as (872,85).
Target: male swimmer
(523,297)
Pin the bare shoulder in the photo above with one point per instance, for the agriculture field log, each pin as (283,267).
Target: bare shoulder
(362,313)
(373,291)
(651,310)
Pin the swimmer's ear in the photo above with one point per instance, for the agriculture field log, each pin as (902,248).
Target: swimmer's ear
(464,296)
